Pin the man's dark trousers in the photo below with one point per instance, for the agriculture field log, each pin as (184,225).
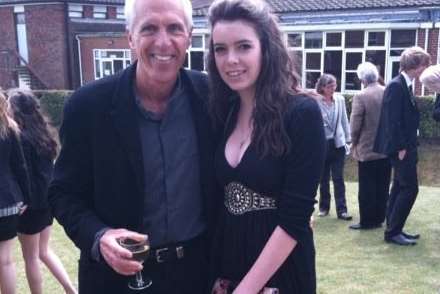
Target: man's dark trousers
(403,192)
(374,185)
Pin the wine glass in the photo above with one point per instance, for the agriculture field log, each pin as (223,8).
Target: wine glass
(140,251)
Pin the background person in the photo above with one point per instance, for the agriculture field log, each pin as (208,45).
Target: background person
(374,170)
(137,157)
(337,133)
(40,149)
(431,79)
(397,138)
(271,155)
(14,190)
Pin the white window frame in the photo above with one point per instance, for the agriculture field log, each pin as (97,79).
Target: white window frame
(120,14)
(76,10)
(203,49)
(126,60)
(100,11)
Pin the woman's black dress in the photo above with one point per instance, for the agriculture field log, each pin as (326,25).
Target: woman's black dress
(292,180)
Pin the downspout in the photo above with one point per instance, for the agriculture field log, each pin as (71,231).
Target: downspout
(69,45)
(79,59)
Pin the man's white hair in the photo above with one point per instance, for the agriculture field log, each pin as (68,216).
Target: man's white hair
(367,72)
(130,13)
(431,78)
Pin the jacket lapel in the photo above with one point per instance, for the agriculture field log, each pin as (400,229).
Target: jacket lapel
(409,94)
(125,122)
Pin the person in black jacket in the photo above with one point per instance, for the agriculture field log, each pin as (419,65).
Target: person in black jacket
(431,79)
(397,137)
(14,191)
(40,149)
(137,159)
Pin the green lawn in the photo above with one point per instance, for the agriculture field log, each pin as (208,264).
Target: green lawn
(347,261)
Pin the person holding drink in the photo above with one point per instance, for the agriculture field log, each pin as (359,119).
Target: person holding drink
(137,162)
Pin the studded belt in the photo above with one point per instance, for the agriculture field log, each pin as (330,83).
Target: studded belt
(240,199)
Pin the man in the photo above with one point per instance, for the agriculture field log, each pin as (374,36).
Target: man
(137,160)
(374,170)
(397,138)
(430,78)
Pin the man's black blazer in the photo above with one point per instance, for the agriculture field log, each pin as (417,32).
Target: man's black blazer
(98,178)
(399,119)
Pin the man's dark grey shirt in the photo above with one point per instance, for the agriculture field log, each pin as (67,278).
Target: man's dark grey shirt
(173,200)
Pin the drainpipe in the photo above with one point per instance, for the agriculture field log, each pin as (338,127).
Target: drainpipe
(79,59)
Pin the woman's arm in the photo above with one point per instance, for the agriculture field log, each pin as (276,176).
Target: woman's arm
(344,121)
(296,203)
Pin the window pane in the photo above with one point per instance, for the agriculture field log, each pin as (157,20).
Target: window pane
(296,57)
(97,69)
(354,39)
(185,63)
(197,60)
(396,52)
(353,59)
(334,39)
(403,38)
(311,79)
(207,40)
(376,39)
(197,42)
(107,68)
(332,65)
(313,40)
(294,40)
(377,57)
(352,82)
(116,54)
(395,69)
(118,65)
(313,60)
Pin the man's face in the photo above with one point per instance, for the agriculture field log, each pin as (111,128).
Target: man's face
(160,37)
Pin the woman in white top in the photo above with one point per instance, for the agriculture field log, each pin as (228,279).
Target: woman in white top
(337,132)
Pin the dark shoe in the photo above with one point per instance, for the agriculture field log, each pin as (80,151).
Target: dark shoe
(323,213)
(356,227)
(411,236)
(400,240)
(345,216)
(361,227)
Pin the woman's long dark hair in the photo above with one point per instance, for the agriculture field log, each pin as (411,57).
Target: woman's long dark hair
(276,82)
(25,109)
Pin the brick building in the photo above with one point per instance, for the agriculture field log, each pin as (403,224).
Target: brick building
(63,44)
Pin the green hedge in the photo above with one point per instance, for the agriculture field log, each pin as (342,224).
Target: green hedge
(429,128)
(52,103)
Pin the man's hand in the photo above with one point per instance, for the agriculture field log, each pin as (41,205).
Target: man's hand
(115,255)
(402,154)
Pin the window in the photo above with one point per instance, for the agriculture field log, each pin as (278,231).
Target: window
(99,11)
(403,38)
(333,40)
(294,40)
(313,68)
(354,39)
(195,56)
(333,65)
(313,40)
(120,12)
(376,38)
(353,59)
(75,11)
(108,62)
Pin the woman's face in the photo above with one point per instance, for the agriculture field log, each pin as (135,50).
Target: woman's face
(329,89)
(238,56)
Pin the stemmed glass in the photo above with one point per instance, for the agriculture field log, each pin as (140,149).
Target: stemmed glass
(140,251)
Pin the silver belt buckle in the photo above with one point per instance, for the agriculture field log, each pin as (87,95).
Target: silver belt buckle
(158,256)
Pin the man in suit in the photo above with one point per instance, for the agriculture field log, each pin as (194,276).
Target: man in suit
(397,138)
(374,170)
(137,161)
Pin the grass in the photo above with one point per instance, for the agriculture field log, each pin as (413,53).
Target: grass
(347,261)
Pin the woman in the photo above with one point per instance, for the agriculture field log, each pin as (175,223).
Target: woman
(14,189)
(269,160)
(337,133)
(374,170)
(34,226)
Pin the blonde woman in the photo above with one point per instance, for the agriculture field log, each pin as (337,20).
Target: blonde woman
(14,191)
